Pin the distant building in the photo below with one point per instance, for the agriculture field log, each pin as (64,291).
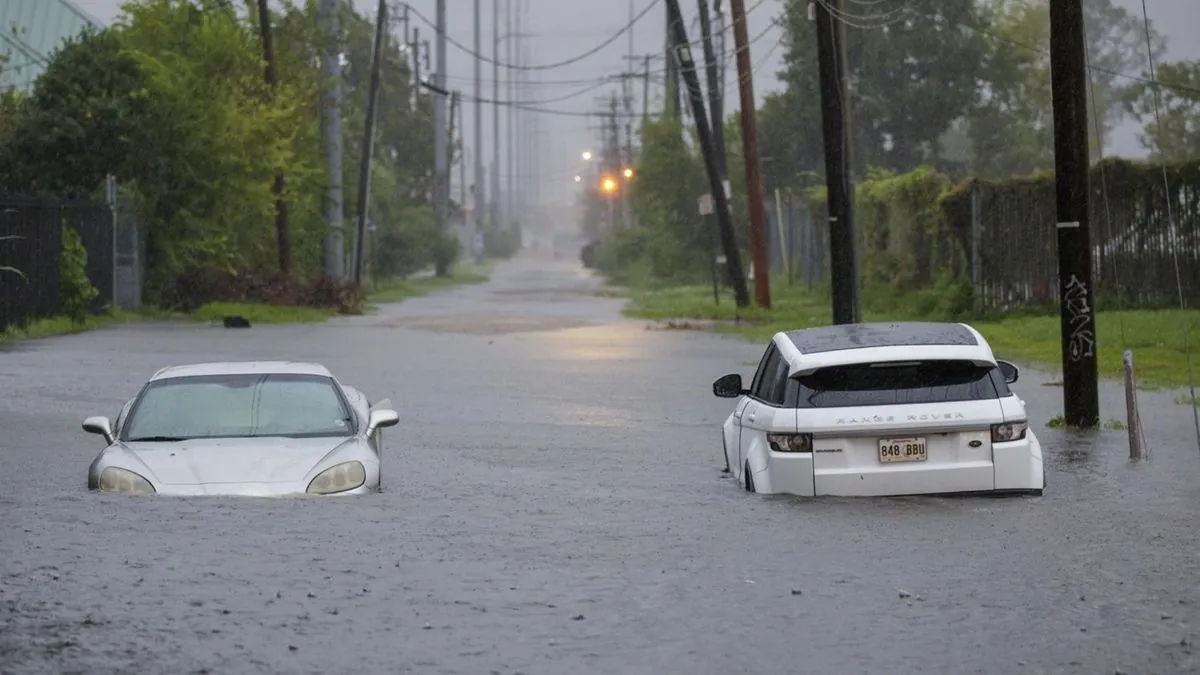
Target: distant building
(30,33)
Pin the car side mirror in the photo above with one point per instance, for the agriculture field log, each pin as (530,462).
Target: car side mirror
(728,386)
(99,425)
(1011,372)
(381,419)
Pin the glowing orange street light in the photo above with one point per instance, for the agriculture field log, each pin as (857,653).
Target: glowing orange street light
(609,184)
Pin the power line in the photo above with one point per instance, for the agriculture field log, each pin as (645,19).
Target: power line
(546,66)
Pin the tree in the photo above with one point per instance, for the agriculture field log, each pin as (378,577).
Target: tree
(1178,106)
(908,80)
(670,242)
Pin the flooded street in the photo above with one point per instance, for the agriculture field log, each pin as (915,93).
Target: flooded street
(553,503)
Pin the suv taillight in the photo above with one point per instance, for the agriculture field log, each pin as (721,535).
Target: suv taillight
(790,442)
(1009,431)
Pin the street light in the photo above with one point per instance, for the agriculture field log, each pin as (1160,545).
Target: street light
(629,173)
(578,178)
(609,184)
(587,156)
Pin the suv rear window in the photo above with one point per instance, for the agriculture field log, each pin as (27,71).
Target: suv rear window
(900,383)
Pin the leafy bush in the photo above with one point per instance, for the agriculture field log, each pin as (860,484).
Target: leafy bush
(501,243)
(76,292)
(200,287)
(410,242)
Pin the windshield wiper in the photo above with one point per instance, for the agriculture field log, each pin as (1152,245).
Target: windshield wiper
(157,439)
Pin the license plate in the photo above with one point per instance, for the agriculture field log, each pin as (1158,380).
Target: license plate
(902,450)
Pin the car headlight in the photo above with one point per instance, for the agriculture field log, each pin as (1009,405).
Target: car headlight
(1009,431)
(113,479)
(344,476)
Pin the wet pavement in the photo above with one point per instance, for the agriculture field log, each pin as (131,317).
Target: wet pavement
(553,503)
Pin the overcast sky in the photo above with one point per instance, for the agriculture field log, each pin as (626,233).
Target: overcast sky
(564,29)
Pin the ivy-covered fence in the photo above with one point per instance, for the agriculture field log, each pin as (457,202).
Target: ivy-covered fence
(64,251)
(985,246)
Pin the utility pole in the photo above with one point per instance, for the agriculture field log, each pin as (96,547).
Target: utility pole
(843,260)
(1068,80)
(282,234)
(496,224)
(331,132)
(441,164)
(683,53)
(646,88)
(754,187)
(510,159)
(477,150)
(414,55)
(716,94)
(462,153)
(368,146)
(671,93)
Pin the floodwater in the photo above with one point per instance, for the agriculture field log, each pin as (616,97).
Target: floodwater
(553,503)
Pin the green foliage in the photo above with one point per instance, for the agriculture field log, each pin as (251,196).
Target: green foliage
(1178,104)
(670,241)
(915,229)
(975,92)
(172,100)
(501,244)
(76,292)
(405,242)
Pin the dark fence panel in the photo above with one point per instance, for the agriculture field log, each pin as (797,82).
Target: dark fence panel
(37,252)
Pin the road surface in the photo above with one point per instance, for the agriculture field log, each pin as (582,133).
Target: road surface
(554,504)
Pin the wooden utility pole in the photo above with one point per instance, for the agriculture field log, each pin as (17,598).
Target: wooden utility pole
(671,93)
(716,93)
(368,145)
(683,55)
(843,261)
(754,188)
(1068,79)
(331,133)
(283,234)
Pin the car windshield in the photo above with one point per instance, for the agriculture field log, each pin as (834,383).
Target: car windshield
(866,384)
(239,406)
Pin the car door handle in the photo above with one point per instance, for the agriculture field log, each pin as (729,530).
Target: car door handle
(750,416)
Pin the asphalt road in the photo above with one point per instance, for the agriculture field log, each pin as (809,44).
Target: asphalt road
(554,504)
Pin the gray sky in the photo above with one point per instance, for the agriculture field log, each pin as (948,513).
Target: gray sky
(564,29)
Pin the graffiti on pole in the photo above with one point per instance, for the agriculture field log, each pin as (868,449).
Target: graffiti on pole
(1081,341)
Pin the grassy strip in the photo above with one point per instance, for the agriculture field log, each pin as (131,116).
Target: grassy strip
(256,313)
(399,290)
(1155,336)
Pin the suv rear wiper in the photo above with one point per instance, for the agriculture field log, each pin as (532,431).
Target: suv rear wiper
(157,439)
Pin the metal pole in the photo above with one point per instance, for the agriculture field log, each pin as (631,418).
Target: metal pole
(331,132)
(1068,84)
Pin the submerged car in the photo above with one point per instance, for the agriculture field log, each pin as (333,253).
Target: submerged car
(261,428)
(880,409)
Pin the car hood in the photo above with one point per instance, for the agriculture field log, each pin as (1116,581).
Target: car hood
(234,460)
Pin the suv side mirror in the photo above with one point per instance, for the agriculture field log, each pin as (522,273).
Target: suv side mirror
(382,418)
(728,386)
(1011,373)
(101,426)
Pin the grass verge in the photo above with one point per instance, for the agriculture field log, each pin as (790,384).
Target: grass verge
(399,290)
(1155,336)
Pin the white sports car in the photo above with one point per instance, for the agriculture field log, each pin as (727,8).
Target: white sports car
(880,409)
(259,428)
